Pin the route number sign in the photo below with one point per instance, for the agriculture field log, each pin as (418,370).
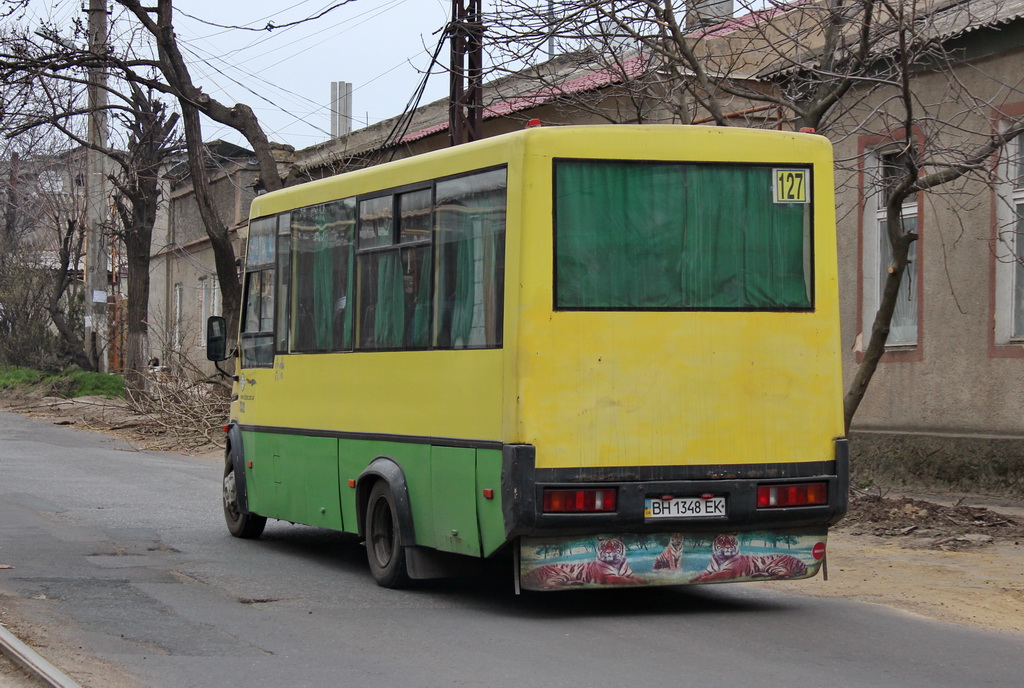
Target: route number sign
(791,185)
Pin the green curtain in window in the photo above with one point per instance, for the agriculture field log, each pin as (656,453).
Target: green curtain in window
(323,288)
(493,284)
(740,250)
(421,311)
(465,298)
(675,236)
(348,255)
(619,235)
(389,318)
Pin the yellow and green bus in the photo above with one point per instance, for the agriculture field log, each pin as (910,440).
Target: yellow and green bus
(611,352)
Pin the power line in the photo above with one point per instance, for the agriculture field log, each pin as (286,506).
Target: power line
(247,88)
(270,25)
(216,66)
(319,105)
(221,33)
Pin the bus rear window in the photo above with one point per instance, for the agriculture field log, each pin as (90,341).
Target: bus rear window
(670,236)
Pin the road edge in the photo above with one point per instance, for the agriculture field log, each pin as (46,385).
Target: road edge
(32,662)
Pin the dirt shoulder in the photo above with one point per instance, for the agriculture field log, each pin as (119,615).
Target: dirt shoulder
(158,431)
(950,559)
(953,559)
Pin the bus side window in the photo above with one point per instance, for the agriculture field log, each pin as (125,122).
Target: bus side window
(470,216)
(258,319)
(395,268)
(322,248)
(284,277)
(257,340)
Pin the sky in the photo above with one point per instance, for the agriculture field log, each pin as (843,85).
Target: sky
(285,75)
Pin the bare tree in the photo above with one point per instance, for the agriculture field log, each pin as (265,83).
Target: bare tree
(150,144)
(148,56)
(41,260)
(48,71)
(158,22)
(844,68)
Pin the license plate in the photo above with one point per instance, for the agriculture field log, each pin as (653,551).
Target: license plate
(684,507)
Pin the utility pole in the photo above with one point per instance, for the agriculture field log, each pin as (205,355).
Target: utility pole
(96,263)
(551,36)
(466,107)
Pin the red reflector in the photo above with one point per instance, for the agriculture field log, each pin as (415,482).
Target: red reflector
(488,493)
(351,483)
(579,501)
(533,123)
(801,494)
(226,428)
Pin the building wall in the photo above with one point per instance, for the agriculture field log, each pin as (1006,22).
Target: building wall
(184,289)
(954,380)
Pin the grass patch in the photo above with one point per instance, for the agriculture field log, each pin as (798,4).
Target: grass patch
(15,378)
(70,383)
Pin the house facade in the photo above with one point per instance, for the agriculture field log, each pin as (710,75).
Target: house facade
(945,403)
(184,290)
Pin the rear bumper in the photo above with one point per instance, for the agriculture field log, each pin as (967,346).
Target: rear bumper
(523,485)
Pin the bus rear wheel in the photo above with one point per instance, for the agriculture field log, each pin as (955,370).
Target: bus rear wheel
(384,548)
(247,526)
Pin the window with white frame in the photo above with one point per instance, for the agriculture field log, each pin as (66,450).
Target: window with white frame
(177,326)
(205,302)
(1009,316)
(215,303)
(884,168)
(208,293)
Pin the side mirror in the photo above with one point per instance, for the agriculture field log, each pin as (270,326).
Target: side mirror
(216,338)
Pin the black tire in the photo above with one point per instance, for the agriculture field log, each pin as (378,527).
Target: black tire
(384,548)
(247,526)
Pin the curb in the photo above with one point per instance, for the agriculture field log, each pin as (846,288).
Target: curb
(32,662)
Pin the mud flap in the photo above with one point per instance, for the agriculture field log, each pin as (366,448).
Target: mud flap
(425,562)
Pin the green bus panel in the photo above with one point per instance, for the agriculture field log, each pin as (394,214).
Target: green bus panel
(453,484)
(305,480)
(310,468)
(350,465)
(414,459)
(261,480)
(294,478)
(490,518)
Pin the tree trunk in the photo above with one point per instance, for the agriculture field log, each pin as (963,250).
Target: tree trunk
(70,247)
(223,250)
(137,246)
(901,243)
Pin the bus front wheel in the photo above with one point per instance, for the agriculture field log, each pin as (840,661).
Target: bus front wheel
(241,525)
(384,548)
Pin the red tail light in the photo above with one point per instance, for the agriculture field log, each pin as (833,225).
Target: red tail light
(579,501)
(802,494)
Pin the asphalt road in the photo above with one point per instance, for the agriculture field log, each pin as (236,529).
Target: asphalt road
(127,554)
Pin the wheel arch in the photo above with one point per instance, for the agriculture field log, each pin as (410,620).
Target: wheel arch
(385,468)
(235,453)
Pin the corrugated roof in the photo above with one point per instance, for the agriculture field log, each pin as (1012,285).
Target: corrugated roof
(590,81)
(745,21)
(946,19)
(958,18)
(941,20)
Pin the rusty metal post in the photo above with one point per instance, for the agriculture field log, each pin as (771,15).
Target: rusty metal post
(465,120)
